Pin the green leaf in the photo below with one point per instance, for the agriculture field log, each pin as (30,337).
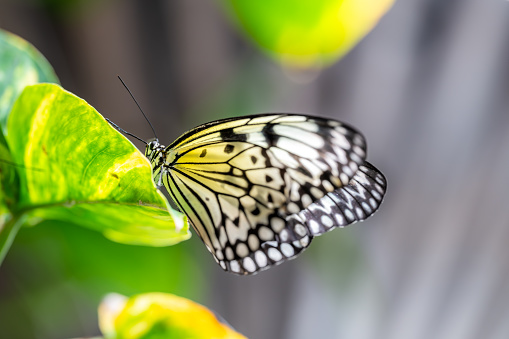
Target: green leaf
(158,316)
(9,179)
(21,65)
(307,33)
(9,190)
(76,168)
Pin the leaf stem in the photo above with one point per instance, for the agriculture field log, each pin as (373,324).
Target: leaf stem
(8,230)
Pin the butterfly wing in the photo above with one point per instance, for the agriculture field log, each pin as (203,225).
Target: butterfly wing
(247,183)
(342,207)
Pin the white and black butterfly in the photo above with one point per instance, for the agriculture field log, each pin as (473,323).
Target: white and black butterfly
(257,189)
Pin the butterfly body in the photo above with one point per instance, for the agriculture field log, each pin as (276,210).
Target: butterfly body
(257,189)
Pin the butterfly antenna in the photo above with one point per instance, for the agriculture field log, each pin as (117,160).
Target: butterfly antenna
(132,96)
(123,131)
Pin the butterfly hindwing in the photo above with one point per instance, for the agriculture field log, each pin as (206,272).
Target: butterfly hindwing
(344,206)
(246,183)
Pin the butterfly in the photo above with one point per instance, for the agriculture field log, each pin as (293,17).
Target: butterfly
(257,189)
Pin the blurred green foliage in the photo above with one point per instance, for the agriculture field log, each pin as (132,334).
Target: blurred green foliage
(57,272)
(21,64)
(307,33)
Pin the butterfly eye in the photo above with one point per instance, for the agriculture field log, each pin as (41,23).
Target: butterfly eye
(148,150)
(151,149)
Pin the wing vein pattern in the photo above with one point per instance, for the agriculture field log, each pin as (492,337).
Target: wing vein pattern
(257,189)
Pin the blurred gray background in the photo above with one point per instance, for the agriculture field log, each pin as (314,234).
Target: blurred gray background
(428,87)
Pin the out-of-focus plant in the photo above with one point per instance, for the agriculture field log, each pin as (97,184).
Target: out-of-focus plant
(160,315)
(309,34)
(21,64)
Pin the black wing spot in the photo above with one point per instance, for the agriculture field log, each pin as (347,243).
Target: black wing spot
(229,135)
(228,148)
(203,153)
(269,199)
(254,159)
(241,137)
(268,178)
(256,211)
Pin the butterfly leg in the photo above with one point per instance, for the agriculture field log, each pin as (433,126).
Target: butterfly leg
(160,181)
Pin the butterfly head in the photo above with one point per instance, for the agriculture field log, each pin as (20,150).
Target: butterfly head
(155,152)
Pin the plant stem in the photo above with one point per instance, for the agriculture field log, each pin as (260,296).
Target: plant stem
(8,230)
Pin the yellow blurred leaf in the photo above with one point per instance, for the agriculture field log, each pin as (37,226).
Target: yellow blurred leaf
(158,316)
(308,34)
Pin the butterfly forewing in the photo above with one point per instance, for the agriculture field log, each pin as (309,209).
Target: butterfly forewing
(254,187)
